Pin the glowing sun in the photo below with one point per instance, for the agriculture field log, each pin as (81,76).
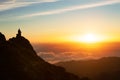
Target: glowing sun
(89,38)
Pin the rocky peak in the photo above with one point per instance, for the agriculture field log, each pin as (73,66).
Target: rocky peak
(20,41)
(19,33)
(2,38)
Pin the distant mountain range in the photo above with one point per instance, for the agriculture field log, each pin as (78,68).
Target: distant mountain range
(18,61)
(107,68)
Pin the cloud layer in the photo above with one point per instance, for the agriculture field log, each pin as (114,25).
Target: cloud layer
(63,56)
(66,52)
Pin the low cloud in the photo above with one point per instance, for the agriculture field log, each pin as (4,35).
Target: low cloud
(63,56)
(66,52)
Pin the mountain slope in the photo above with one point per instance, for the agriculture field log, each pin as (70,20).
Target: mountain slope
(18,61)
(107,68)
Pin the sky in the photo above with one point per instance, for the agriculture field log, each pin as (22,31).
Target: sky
(60,20)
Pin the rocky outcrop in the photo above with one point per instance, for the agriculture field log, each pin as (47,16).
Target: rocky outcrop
(19,61)
(2,38)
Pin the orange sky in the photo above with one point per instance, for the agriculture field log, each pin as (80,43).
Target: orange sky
(61,20)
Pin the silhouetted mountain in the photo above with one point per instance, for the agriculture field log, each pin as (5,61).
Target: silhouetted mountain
(18,61)
(107,68)
(2,38)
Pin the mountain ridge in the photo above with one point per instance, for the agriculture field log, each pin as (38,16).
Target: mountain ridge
(19,61)
(106,68)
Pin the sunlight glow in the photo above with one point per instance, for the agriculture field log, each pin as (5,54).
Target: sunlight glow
(88,38)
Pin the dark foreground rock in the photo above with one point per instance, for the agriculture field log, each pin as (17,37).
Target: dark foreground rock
(19,61)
